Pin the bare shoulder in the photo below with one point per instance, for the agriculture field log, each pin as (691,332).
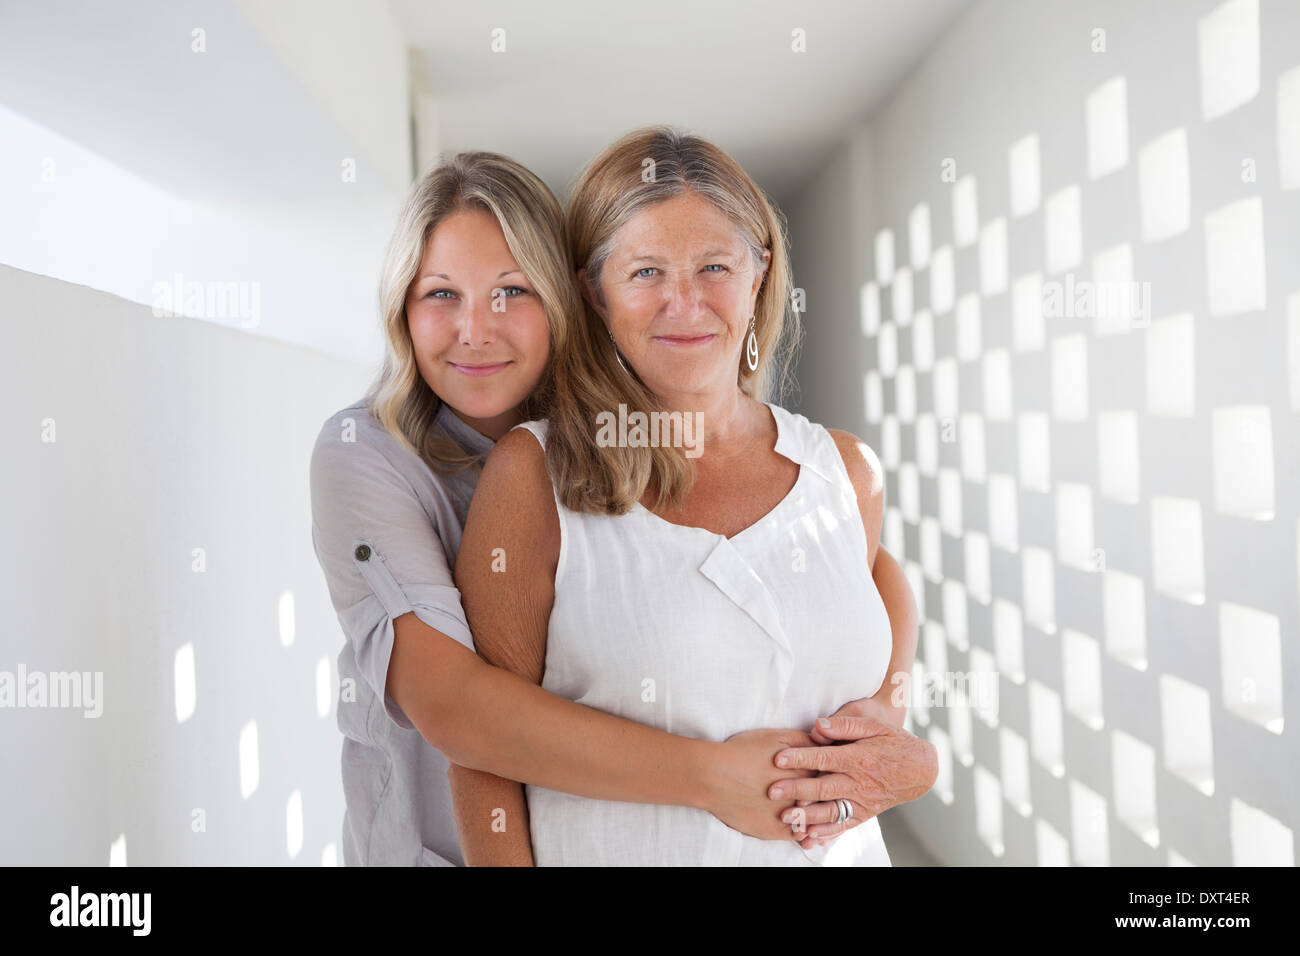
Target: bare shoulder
(868,477)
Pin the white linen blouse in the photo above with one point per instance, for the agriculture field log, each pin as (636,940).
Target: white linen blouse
(704,635)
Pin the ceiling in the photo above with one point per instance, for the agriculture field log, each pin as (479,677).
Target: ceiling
(576,74)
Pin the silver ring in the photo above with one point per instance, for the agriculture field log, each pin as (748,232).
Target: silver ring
(839,812)
(846,810)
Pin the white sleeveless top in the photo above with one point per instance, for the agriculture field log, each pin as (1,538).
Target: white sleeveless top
(705,636)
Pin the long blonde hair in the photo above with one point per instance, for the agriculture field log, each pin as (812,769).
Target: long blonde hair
(533,224)
(587,376)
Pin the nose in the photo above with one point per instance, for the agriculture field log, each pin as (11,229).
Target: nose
(683,296)
(477,324)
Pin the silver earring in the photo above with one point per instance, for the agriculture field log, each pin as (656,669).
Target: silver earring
(617,354)
(751,348)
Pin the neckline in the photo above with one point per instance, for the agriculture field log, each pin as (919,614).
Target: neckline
(462,433)
(782,448)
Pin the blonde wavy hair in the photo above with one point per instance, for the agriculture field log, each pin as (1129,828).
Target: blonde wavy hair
(588,379)
(533,223)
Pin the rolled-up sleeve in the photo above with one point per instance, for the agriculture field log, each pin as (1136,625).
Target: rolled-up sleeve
(380,550)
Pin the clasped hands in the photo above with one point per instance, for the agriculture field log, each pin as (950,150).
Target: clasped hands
(859,753)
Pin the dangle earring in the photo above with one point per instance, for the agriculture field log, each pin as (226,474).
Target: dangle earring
(751,347)
(617,354)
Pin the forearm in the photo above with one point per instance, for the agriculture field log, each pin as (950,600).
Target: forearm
(900,604)
(491,818)
(487,718)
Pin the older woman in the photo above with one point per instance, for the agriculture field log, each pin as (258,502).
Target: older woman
(700,581)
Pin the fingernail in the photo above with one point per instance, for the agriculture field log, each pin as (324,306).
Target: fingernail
(778,793)
(783,761)
(823,722)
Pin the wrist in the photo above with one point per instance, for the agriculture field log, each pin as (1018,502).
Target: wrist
(702,777)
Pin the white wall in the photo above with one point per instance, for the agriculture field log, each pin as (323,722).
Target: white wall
(130,442)
(1097,507)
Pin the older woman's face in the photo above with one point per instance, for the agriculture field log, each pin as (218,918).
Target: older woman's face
(680,286)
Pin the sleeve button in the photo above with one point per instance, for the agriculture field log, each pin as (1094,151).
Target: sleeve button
(363,552)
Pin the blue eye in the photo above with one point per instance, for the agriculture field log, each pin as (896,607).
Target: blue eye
(716,265)
(437,293)
(640,272)
(513,290)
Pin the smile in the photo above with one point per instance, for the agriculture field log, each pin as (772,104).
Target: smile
(479,369)
(685,341)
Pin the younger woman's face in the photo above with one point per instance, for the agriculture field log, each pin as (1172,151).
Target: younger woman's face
(479,330)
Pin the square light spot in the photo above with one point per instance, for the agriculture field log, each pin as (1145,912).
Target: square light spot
(945,389)
(1074,526)
(1053,848)
(1117,303)
(1227,43)
(988,810)
(1288,128)
(1171,366)
(1008,640)
(1004,529)
(1124,615)
(873,396)
(965,212)
(1234,258)
(1250,657)
(927,444)
(1106,118)
(918,236)
(1164,186)
(954,613)
(1185,726)
(919,707)
(931,548)
(1063,222)
(1243,461)
(887,349)
(909,491)
(891,538)
(1015,770)
(1028,330)
(1035,451)
(1117,456)
(890,442)
(293,824)
(993,257)
(1257,838)
(943,750)
(885,256)
(959,725)
(901,296)
(1038,583)
(117,851)
(248,762)
(972,447)
(935,642)
(869,307)
(1088,827)
(1133,768)
(1026,178)
(1070,377)
(1177,550)
(905,394)
(997,385)
(1045,738)
(942,280)
(968,327)
(183,681)
(923,340)
(950,501)
(978,572)
(286,618)
(1081,661)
